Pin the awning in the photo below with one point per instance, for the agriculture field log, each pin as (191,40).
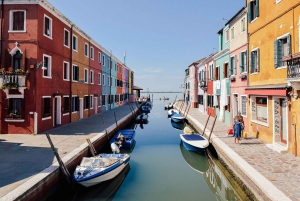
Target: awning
(268,90)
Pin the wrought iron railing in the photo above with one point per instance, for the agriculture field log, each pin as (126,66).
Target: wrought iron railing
(293,68)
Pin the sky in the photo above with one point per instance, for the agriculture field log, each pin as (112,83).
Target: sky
(161,37)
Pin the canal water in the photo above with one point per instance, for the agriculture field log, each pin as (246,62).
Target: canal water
(161,168)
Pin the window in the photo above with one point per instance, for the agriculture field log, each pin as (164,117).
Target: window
(75,103)
(86,75)
(66,106)
(243,25)
(66,71)
(86,49)
(103,60)
(66,38)
(243,62)
(282,47)
(15,108)
(227,107)
(254,61)
(109,62)
(46,107)
(200,99)
(91,101)
(74,43)
(103,99)
(232,70)
(227,35)
(92,53)
(92,77)
(75,73)
(244,106)
(115,67)
(253,10)
(226,70)
(259,109)
(103,79)
(86,102)
(17,20)
(108,81)
(17,60)
(216,73)
(47,26)
(99,101)
(211,72)
(99,78)
(47,63)
(232,33)
(99,57)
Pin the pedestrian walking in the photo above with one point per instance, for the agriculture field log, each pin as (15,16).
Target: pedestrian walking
(237,130)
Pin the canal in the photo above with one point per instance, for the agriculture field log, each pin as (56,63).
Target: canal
(162,169)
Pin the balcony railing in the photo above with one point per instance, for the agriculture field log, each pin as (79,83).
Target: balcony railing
(293,65)
(12,81)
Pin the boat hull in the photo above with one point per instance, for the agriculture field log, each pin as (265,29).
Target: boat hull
(194,142)
(177,118)
(129,135)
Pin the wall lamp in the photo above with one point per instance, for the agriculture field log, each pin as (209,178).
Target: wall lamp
(37,66)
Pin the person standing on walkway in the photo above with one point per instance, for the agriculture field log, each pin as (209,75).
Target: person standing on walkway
(237,130)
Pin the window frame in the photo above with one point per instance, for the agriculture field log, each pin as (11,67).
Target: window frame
(73,104)
(103,60)
(91,102)
(253,98)
(286,36)
(64,108)
(86,102)
(99,57)
(75,46)
(67,71)
(99,79)
(241,108)
(86,75)
(243,24)
(251,18)
(42,115)
(91,76)
(257,59)
(11,25)
(92,53)
(245,69)
(103,79)
(86,50)
(50,26)
(49,66)
(232,33)
(74,66)
(68,40)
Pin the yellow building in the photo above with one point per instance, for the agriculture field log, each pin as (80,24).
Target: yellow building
(273,33)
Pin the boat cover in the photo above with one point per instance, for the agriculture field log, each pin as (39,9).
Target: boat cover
(193,137)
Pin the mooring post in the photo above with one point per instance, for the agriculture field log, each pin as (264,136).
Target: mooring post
(206,124)
(187,111)
(104,127)
(92,148)
(212,128)
(180,107)
(132,110)
(61,164)
(116,121)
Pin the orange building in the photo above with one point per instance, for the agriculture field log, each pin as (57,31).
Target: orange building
(272,35)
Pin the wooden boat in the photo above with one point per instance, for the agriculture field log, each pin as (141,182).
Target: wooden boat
(172,112)
(141,118)
(164,98)
(177,125)
(178,118)
(196,161)
(124,138)
(94,170)
(188,130)
(194,142)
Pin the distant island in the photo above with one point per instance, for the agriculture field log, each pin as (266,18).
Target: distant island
(148,92)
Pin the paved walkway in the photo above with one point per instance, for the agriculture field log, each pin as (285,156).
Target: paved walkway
(278,175)
(24,156)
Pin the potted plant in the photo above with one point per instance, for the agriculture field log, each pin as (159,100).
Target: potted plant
(10,70)
(19,71)
(2,71)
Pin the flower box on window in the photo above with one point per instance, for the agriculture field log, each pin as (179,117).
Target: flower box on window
(232,77)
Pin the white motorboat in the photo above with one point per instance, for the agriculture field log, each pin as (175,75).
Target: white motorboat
(94,170)
(172,112)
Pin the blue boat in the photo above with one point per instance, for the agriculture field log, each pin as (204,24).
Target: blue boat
(124,138)
(177,118)
(194,142)
(145,109)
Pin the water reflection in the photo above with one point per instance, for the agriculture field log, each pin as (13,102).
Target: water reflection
(178,125)
(103,191)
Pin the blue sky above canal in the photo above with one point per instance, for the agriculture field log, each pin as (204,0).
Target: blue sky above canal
(161,37)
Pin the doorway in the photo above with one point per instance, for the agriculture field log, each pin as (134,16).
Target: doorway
(235,105)
(57,111)
(80,108)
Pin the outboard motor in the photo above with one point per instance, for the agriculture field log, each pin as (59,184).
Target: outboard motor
(114,148)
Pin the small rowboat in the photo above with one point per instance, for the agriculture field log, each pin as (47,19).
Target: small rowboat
(194,142)
(172,112)
(124,138)
(141,118)
(178,118)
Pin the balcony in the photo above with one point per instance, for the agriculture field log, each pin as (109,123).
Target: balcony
(293,70)
(13,80)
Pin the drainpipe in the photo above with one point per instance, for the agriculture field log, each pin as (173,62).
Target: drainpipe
(71,69)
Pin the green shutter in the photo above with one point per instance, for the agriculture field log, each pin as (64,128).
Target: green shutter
(279,53)
(289,44)
(275,53)
(234,65)
(245,61)
(241,59)
(252,62)
(258,63)
(257,8)
(250,17)
(230,67)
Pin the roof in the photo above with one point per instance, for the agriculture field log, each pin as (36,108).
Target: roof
(197,62)
(270,86)
(137,88)
(241,10)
